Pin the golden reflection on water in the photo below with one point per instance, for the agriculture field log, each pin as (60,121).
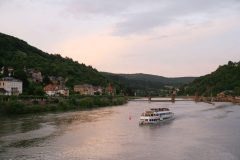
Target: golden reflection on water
(198,132)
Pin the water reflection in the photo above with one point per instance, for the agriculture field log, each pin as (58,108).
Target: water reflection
(199,131)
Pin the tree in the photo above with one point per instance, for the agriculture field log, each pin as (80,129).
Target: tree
(35,89)
(21,75)
(46,80)
(5,72)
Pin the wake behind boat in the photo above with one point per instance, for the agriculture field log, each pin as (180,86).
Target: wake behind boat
(156,115)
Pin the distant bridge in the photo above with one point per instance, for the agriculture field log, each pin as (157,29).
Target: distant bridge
(160,100)
(171,99)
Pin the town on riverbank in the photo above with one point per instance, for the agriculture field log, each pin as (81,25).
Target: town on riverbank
(33,81)
(54,96)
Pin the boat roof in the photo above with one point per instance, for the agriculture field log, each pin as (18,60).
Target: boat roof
(159,109)
(164,112)
(152,112)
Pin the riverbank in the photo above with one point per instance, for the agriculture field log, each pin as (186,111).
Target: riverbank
(16,106)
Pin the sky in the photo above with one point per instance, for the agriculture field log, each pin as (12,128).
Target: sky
(171,38)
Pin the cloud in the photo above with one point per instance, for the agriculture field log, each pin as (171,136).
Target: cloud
(159,37)
(132,17)
(80,8)
(126,35)
(3,2)
(185,11)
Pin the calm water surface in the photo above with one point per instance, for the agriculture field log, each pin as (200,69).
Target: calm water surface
(199,132)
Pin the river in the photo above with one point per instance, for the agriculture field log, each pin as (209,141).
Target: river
(200,131)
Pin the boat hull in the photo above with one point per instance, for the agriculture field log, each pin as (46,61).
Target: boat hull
(142,122)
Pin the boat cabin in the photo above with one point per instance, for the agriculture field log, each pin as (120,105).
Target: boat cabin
(159,109)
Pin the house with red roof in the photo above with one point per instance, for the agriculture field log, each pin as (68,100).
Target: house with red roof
(55,90)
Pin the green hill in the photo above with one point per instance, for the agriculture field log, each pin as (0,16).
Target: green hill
(225,78)
(18,54)
(146,83)
(158,79)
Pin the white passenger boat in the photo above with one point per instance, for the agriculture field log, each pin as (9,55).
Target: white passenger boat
(156,115)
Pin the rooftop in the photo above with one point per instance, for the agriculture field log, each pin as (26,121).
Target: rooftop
(10,79)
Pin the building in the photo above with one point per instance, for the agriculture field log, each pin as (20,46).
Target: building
(56,90)
(98,90)
(62,90)
(225,96)
(2,91)
(51,89)
(57,80)
(8,71)
(10,86)
(110,90)
(85,89)
(221,95)
(36,76)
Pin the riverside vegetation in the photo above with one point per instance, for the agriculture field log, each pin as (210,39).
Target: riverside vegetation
(17,105)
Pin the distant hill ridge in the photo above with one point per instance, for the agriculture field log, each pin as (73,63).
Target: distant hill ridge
(145,84)
(156,78)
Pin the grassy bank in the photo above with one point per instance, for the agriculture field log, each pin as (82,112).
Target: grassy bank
(16,106)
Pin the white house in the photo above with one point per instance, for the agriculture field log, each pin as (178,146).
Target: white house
(11,86)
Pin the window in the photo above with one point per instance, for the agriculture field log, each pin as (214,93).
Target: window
(14,90)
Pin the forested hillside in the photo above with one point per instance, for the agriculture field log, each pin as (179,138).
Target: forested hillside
(176,81)
(19,55)
(225,78)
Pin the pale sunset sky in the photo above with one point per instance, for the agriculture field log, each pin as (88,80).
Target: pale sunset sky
(163,37)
